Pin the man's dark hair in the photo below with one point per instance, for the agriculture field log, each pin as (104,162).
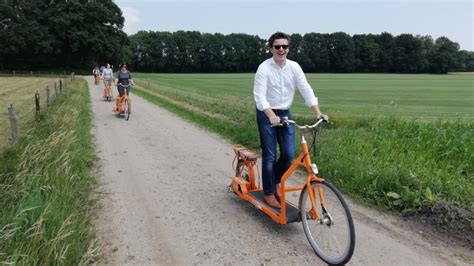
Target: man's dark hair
(278,35)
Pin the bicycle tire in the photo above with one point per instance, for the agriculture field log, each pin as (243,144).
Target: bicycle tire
(324,237)
(126,113)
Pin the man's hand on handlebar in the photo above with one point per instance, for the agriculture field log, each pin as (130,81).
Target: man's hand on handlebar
(323,117)
(275,120)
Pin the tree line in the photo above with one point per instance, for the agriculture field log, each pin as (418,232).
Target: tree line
(192,51)
(80,34)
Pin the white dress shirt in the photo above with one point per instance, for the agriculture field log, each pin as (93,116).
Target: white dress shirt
(275,87)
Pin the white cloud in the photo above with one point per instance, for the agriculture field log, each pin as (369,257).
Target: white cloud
(132,21)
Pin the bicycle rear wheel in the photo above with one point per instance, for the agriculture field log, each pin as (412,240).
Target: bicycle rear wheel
(241,170)
(332,238)
(126,112)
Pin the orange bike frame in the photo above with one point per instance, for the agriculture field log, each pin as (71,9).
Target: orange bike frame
(302,159)
(122,100)
(107,89)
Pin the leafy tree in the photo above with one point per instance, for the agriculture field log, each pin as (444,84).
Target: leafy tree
(23,39)
(315,51)
(148,51)
(210,55)
(296,52)
(467,61)
(445,56)
(427,47)
(407,54)
(386,44)
(366,52)
(252,52)
(61,34)
(341,52)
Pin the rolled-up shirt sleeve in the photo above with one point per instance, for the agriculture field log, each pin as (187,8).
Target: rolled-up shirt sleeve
(260,90)
(304,87)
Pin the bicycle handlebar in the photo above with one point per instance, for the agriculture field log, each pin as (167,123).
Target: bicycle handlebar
(288,121)
(125,86)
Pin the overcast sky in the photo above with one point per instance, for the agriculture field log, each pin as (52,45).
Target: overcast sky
(450,18)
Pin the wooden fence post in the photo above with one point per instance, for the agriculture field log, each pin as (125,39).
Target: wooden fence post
(60,85)
(13,123)
(37,102)
(47,96)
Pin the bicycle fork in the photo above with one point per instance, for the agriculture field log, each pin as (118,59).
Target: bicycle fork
(326,218)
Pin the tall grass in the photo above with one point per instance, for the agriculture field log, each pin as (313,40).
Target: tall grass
(398,164)
(401,165)
(45,185)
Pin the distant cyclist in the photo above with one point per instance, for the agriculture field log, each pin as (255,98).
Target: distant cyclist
(96,73)
(107,76)
(124,78)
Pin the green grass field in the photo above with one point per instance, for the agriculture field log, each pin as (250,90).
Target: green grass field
(20,91)
(425,97)
(402,142)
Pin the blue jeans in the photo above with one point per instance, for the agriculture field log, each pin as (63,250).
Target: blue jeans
(284,136)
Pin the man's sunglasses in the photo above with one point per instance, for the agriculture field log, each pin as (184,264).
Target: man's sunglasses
(280,46)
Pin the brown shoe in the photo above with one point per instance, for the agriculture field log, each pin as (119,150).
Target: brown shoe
(277,197)
(278,193)
(271,201)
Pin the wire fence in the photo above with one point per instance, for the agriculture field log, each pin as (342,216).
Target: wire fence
(51,93)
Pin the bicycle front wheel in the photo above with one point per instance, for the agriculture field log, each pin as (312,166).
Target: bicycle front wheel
(333,236)
(126,112)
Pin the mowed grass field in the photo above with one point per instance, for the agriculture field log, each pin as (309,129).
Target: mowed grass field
(425,97)
(20,91)
(402,142)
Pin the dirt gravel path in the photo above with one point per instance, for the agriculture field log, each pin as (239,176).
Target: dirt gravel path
(164,200)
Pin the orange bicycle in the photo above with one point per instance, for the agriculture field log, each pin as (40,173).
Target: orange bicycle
(124,105)
(327,221)
(108,95)
(96,78)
